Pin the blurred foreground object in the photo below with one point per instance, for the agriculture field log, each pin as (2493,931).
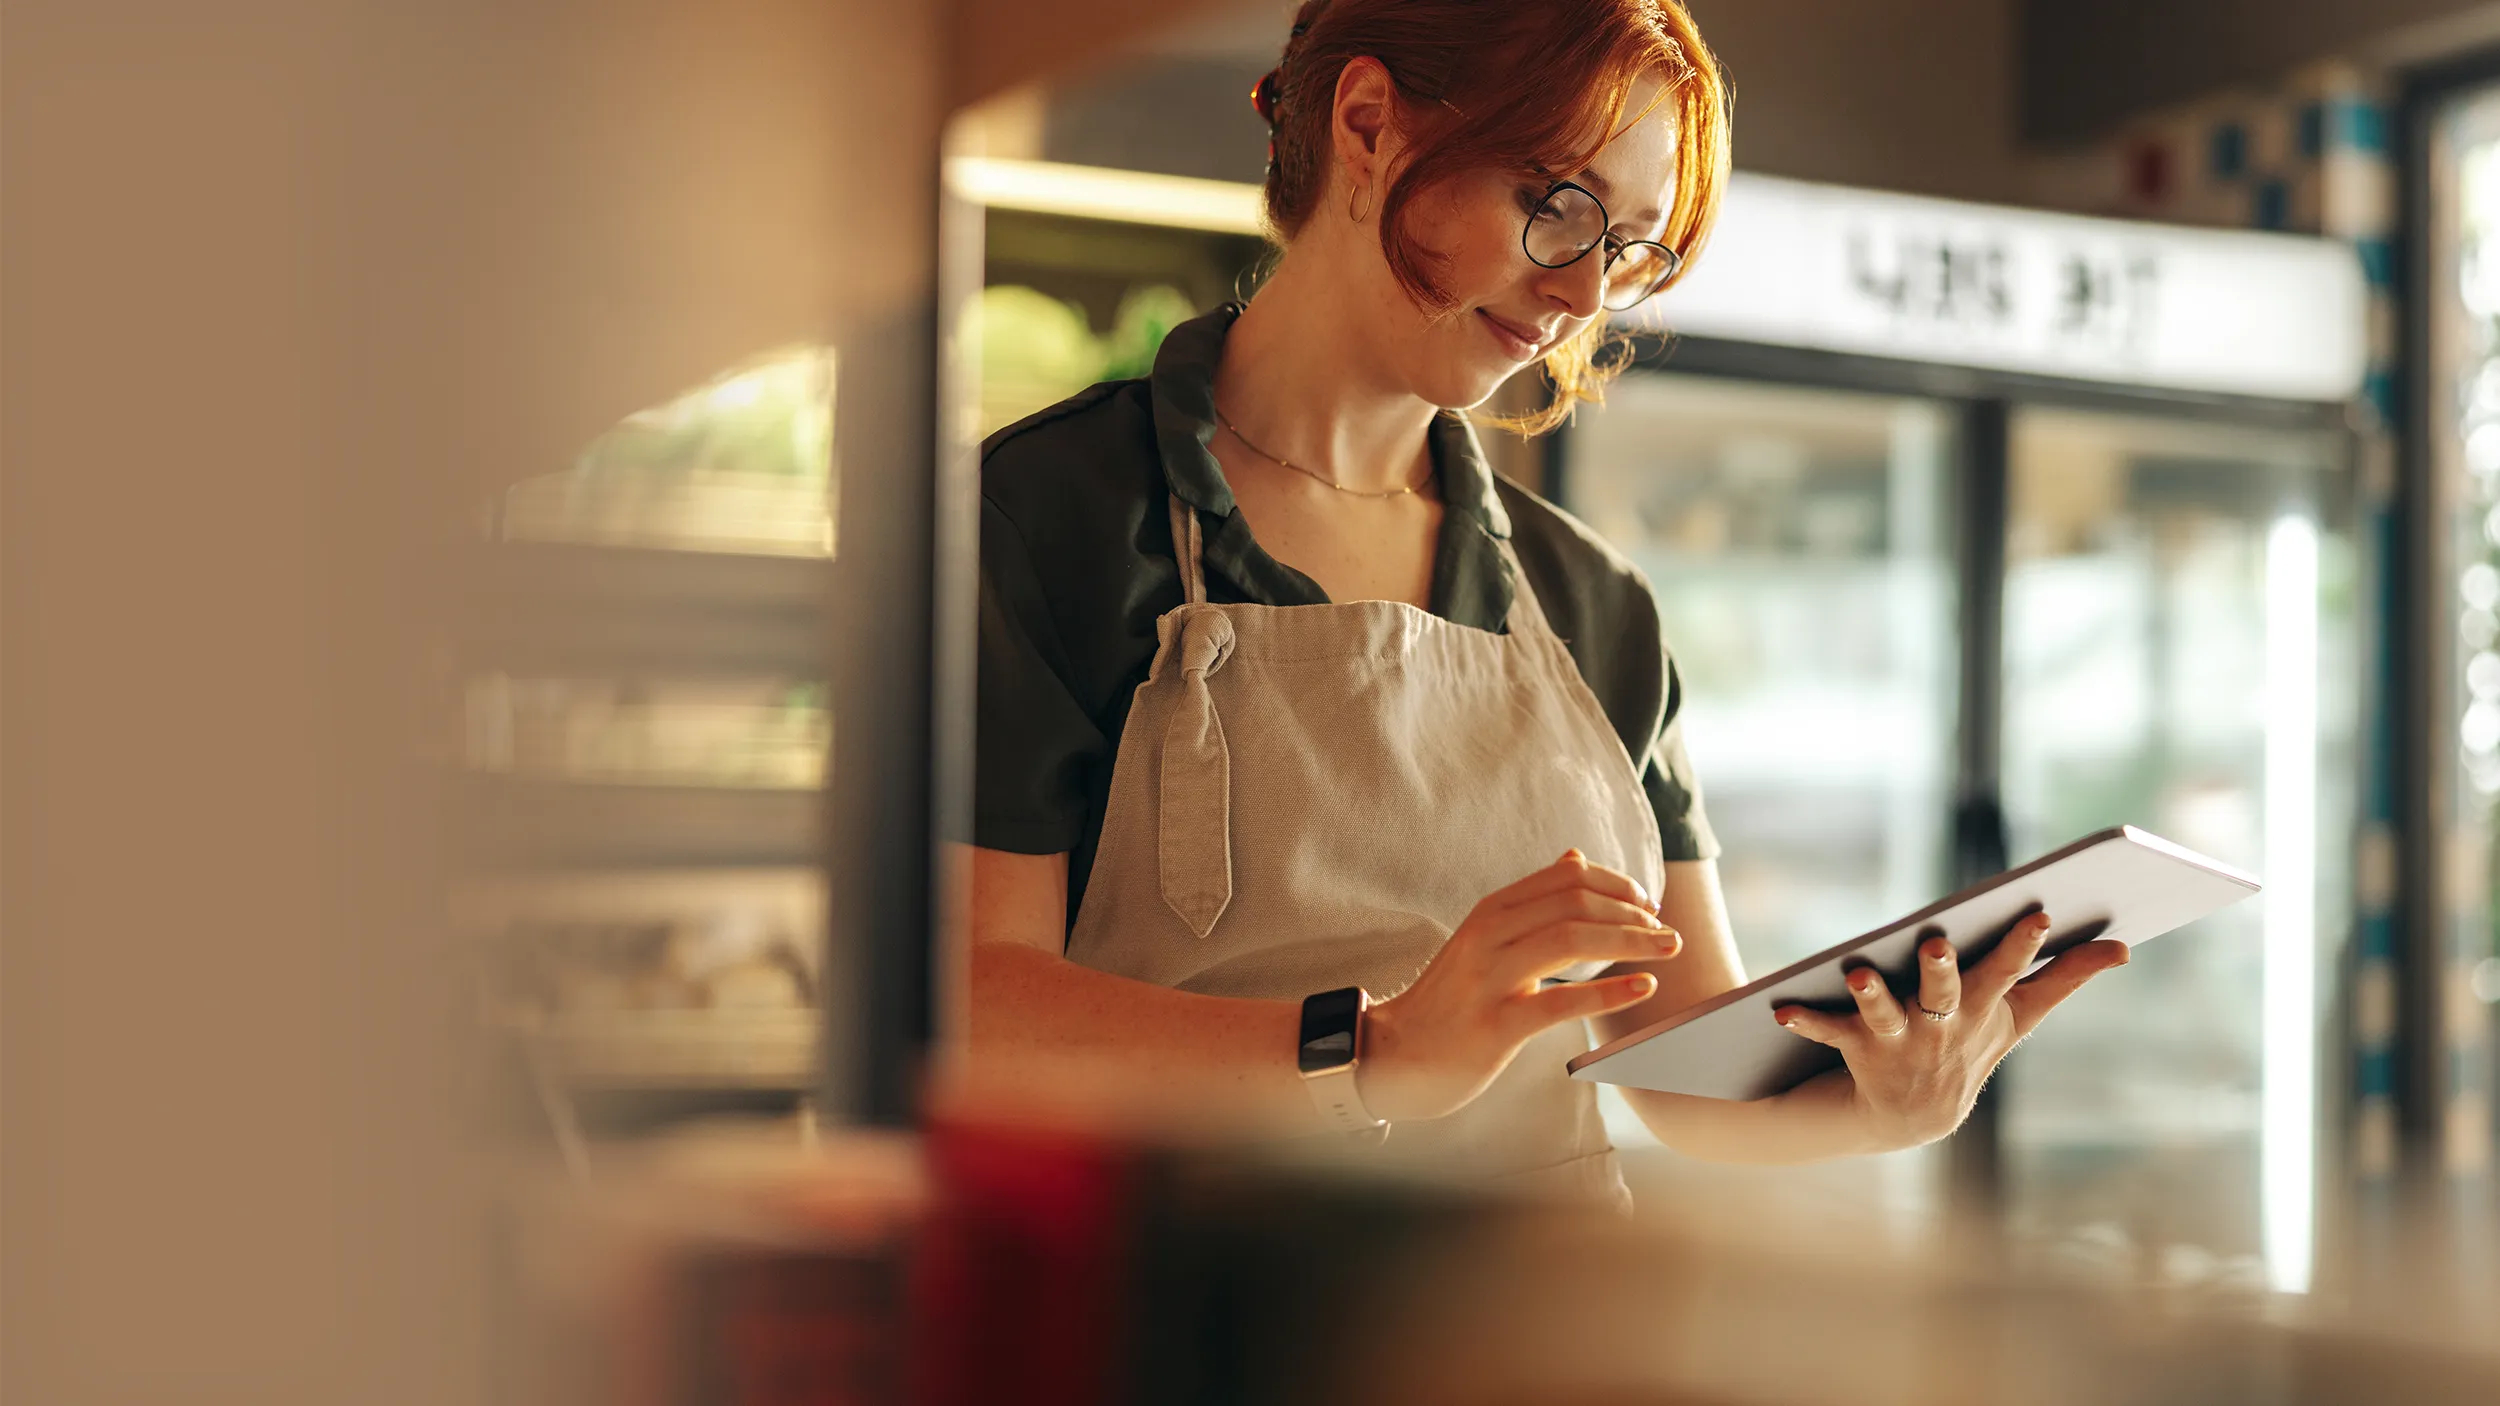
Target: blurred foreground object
(386,260)
(1043,1264)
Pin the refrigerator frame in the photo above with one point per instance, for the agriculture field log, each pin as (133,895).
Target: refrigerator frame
(2423,679)
(1983,403)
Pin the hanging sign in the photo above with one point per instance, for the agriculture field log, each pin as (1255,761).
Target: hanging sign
(1843,270)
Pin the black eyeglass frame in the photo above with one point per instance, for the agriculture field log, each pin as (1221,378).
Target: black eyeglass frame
(1606,240)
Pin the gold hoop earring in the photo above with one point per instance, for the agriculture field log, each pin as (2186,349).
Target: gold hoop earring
(1353,214)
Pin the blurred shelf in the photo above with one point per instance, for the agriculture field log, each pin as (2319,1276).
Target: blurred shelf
(546,608)
(611,1115)
(686,507)
(676,1049)
(528,823)
(487,906)
(670,732)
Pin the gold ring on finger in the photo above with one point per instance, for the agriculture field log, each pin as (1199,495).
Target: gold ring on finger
(1933,1015)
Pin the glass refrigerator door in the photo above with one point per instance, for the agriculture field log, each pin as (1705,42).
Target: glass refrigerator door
(1798,543)
(2461,285)
(2179,656)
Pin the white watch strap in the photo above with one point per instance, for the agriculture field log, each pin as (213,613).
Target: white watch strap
(1339,1102)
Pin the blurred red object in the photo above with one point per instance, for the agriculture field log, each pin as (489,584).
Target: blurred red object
(1022,1285)
(791,1328)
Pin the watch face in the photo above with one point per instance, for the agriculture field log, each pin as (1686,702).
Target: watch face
(1328,1051)
(1328,1029)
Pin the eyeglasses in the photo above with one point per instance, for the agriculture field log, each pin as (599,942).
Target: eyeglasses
(1569,222)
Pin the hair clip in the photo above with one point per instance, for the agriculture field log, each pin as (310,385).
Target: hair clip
(1263,97)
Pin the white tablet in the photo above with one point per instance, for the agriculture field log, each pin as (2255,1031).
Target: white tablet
(2121,883)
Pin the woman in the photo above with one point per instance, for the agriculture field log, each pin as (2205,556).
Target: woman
(1287,706)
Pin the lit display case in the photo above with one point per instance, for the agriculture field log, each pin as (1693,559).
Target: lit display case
(2181,653)
(1085,269)
(1800,541)
(2440,1022)
(643,737)
(1975,531)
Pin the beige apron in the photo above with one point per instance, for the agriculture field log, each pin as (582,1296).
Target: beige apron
(1309,797)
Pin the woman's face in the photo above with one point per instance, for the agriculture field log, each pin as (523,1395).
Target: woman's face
(1511,310)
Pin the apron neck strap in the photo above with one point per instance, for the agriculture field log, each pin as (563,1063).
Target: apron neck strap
(1189,550)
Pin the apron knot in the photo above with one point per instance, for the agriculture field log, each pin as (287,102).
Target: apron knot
(1206,640)
(1195,843)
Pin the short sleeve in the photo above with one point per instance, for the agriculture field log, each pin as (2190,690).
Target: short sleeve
(1034,741)
(1674,791)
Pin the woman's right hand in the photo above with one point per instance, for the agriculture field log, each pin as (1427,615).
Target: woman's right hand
(1433,1047)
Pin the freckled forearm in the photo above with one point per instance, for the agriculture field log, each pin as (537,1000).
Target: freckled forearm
(1130,1041)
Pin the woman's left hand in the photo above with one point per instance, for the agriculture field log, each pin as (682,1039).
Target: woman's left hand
(1918,1069)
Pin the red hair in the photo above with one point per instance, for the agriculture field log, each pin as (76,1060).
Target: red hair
(1513,85)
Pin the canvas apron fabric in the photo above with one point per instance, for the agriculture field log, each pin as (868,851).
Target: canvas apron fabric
(1310,797)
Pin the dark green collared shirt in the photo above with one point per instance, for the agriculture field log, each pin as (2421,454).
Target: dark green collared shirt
(1076,565)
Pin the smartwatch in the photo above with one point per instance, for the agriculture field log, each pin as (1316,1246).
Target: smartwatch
(1331,1048)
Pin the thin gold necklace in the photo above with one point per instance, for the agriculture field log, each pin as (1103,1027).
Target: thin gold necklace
(1315,474)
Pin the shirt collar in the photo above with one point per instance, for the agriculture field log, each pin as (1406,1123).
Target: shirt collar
(1466,479)
(1183,391)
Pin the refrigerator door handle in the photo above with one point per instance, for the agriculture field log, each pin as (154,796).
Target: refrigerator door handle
(1980,843)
